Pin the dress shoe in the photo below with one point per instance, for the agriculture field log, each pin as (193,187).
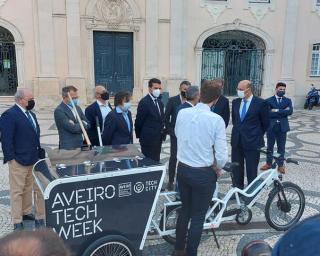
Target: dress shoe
(265,167)
(170,186)
(28,217)
(18,226)
(39,223)
(281,170)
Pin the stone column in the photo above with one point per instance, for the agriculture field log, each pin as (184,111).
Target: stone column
(46,39)
(289,44)
(152,31)
(46,84)
(177,46)
(75,76)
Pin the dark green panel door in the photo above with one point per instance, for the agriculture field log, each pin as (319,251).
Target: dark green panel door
(113,60)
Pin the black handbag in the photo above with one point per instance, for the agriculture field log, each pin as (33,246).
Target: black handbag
(41,153)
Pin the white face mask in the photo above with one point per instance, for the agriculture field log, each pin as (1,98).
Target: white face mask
(156,93)
(240,94)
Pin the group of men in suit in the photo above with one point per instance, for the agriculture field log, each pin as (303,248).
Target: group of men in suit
(252,117)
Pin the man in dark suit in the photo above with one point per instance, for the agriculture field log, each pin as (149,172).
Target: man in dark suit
(100,108)
(221,106)
(250,122)
(70,133)
(280,108)
(149,124)
(118,124)
(21,145)
(193,97)
(170,120)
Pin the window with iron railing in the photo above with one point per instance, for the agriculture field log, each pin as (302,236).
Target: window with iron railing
(318,3)
(315,60)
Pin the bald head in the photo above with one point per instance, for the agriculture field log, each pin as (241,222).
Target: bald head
(42,242)
(101,93)
(245,87)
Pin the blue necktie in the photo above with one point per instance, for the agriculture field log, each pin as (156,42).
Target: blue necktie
(125,116)
(30,120)
(244,110)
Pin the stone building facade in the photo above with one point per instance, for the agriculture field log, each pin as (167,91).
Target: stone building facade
(46,44)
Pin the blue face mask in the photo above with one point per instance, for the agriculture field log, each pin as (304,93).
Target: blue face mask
(281,93)
(126,106)
(75,102)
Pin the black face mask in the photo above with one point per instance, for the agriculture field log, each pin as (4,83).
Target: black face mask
(184,94)
(30,105)
(105,96)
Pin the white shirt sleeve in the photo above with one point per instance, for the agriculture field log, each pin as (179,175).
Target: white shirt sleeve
(220,144)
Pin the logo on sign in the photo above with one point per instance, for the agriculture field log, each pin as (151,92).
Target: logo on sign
(138,187)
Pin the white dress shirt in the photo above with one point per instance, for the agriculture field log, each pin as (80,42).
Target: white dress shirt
(247,106)
(24,112)
(155,101)
(105,110)
(198,130)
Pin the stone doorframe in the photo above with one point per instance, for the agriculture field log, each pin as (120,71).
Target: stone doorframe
(19,47)
(237,25)
(124,16)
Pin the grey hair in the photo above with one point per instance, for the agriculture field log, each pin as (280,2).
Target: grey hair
(19,95)
(67,89)
(192,92)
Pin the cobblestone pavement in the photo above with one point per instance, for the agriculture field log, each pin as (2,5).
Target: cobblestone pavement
(303,145)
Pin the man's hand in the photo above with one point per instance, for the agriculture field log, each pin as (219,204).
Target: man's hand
(217,171)
(274,110)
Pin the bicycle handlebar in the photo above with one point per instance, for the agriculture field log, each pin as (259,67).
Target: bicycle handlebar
(277,156)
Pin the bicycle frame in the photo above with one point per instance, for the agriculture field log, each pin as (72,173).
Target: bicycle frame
(214,221)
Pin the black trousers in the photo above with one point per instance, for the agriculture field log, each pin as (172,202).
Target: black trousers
(173,158)
(152,151)
(196,188)
(275,134)
(250,158)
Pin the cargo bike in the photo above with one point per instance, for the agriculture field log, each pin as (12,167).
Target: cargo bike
(104,201)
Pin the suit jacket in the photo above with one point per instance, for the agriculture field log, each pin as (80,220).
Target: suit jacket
(149,124)
(116,129)
(285,110)
(170,114)
(222,108)
(70,134)
(182,106)
(20,141)
(251,130)
(91,112)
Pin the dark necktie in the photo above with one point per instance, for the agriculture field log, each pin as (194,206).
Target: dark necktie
(279,100)
(30,120)
(157,105)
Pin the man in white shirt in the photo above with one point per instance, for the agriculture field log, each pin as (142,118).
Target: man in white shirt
(202,153)
(100,108)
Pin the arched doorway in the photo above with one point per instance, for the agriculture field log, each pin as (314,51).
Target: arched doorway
(234,55)
(8,65)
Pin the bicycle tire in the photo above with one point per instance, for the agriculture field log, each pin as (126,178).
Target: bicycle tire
(114,244)
(171,210)
(284,208)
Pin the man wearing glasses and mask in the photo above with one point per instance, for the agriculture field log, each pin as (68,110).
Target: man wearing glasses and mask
(100,108)
(70,133)
(21,150)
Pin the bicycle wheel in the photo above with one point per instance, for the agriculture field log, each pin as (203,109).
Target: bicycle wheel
(112,245)
(281,214)
(170,222)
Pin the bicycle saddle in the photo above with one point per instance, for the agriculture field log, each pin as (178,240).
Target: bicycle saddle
(230,166)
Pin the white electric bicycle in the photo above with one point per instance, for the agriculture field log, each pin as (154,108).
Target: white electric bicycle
(284,206)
